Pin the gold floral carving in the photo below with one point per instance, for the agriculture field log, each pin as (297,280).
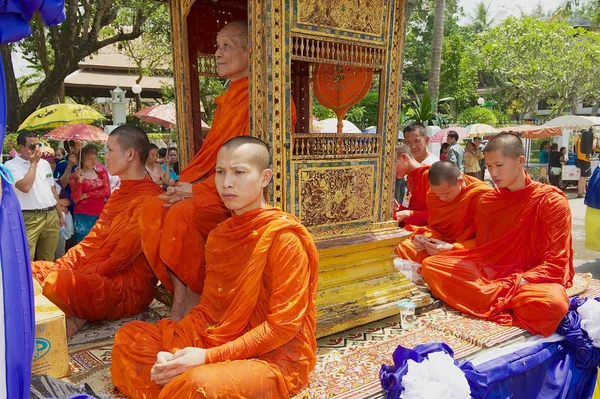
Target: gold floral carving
(336,195)
(362,16)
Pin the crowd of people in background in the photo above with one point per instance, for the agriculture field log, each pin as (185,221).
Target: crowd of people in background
(62,191)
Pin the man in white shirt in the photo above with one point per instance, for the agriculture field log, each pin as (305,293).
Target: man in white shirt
(416,138)
(456,152)
(37,196)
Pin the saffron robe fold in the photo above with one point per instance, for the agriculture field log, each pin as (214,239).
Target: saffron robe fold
(452,222)
(105,276)
(417,182)
(521,235)
(256,317)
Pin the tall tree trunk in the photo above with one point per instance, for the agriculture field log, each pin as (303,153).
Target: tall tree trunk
(12,92)
(433,85)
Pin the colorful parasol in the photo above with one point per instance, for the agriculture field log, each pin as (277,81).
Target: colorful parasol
(79,132)
(163,115)
(339,87)
(481,130)
(442,135)
(60,114)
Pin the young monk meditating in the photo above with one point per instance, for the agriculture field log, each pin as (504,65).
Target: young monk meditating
(414,210)
(106,276)
(452,205)
(522,263)
(174,238)
(253,333)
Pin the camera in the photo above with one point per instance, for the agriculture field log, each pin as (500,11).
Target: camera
(33,146)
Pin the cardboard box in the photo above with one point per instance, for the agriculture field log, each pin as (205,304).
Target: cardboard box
(51,353)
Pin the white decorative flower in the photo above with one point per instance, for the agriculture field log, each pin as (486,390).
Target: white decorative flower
(435,377)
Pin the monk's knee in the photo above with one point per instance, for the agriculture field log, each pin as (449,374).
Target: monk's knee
(540,307)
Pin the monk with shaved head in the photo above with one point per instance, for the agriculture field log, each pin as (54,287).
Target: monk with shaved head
(414,209)
(176,225)
(253,333)
(452,205)
(106,276)
(522,262)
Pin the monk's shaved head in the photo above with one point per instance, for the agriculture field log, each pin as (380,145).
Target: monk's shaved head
(130,136)
(403,149)
(260,155)
(443,172)
(506,144)
(239,29)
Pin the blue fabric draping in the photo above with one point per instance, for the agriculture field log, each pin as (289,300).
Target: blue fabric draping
(19,316)
(592,196)
(544,371)
(17,287)
(16,14)
(391,376)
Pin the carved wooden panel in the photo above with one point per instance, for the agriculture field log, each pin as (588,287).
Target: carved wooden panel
(335,195)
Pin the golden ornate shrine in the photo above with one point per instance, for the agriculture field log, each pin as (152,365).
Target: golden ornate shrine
(339,185)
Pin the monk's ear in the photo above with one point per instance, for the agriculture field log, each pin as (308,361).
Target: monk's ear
(521,160)
(460,180)
(267,174)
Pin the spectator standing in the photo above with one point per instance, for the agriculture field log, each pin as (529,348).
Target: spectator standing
(555,165)
(444,151)
(171,161)
(544,156)
(482,167)
(456,153)
(154,170)
(89,189)
(37,196)
(416,138)
(564,156)
(60,154)
(584,162)
(472,158)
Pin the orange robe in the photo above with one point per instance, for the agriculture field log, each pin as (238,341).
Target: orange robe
(524,234)
(105,276)
(417,183)
(256,317)
(175,237)
(452,222)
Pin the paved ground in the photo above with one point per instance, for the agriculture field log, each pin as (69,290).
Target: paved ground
(585,260)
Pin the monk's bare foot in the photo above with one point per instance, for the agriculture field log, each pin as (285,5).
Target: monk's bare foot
(73,325)
(191,300)
(179,296)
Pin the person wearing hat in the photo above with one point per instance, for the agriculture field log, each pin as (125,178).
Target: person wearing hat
(34,186)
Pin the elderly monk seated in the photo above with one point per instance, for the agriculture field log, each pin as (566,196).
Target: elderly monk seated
(522,262)
(174,238)
(414,209)
(106,276)
(253,333)
(452,205)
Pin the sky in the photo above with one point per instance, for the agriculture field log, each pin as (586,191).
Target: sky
(503,8)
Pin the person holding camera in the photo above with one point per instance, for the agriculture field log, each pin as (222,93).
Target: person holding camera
(37,196)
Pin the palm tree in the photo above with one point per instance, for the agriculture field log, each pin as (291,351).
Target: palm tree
(433,86)
(482,20)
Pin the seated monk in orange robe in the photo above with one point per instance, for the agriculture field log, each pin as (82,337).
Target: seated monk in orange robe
(452,205)
(522,263)
(253,333)
(417,183)
(106,276)
(174,238)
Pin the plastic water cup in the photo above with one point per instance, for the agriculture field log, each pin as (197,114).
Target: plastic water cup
(407,314)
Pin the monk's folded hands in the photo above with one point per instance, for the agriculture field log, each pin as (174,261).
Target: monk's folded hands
(181,361)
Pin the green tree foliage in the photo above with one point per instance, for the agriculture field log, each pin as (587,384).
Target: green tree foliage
(89,26)
(525,60)
(477,115)
(482,19)
(425,109)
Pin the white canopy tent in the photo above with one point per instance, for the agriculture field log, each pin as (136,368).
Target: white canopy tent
(571,123)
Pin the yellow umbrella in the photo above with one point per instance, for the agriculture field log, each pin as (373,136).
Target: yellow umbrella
(60,114)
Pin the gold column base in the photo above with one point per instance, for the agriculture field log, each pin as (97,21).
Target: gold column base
(358,282)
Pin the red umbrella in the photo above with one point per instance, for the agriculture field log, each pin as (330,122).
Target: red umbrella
(163,115)
(442,135)
(78,132)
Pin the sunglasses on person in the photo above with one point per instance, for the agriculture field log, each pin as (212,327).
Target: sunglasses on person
(34,146)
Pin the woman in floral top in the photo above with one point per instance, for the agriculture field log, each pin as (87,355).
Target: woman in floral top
(89,189)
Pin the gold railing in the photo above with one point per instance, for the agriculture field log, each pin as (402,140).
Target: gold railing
(334,145)
(207,65)
(324,51)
